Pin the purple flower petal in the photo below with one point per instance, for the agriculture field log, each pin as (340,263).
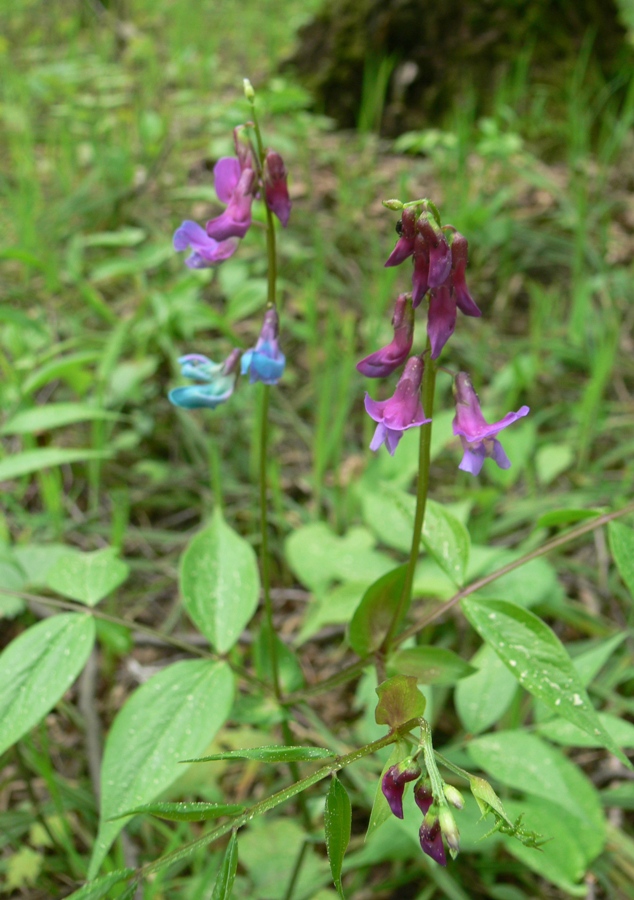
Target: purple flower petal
(404,248)
(187,234)
(441,319)
(473,460)
(499,455)
(226,176)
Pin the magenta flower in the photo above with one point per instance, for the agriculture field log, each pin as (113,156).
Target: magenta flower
(394,781)
(235,187)
(384,361)
(478,437)
(441,318)
(430,837)
(423,795)
(206,251)
(406,230)
(420,276)
(276,187)
(402,411)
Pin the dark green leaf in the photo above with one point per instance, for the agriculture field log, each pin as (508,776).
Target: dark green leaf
(272,754)
(399,701)
(430,665)
(539,661)
(565,517)
(227,873)
(192,811)
(44,458)
(373,616)
(337,826)
(54,415)
(622,547)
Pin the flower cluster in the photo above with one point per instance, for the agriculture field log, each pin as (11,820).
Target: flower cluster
(438,826)
(238,180)
(440,256)
(217,381)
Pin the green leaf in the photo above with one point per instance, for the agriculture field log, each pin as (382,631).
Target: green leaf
(622,547)
(447,540)
(539,661)
(227,873)
(337,826)
(289,669)
(399,701)
(220,583)
(272,754)
(192,811)
(563,732)
(70,368)
(430,665)
(565,517)
(551,460)
(37,668)
(44,458)
(101,887)
(87,577)
(526,763)
(54,415)
(171,717)
(481,699)
(373,617)
(124,237)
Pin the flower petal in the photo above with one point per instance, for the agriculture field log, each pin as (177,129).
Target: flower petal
(226,176)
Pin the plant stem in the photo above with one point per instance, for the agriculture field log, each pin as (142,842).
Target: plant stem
(297,868)
(280,797)
(264,541)
(422,488)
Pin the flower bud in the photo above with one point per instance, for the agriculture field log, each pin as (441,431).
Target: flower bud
(454,796)
(393,204)
(423,795)
(430,837)
(439,250)
(276,187)
(449,829)
(394,781)
(249,93)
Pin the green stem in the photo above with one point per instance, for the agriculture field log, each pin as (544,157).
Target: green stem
(297,868)
(277,799)
(430,764)
(422,489)
(357,667)
(264,542)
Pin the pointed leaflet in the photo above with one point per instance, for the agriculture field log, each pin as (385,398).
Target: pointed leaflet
(37,669)
(171,717)
(373,616)
(101,887)
(539,661)
(191,811)
(274,754)
(220,583)
(399,701)
(87,577)
(622,547)
(227,873)
(337,825)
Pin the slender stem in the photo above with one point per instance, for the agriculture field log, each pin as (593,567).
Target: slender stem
(357,667)
(280,797)
(422,488)
(430,764)
(264,541)
(297,868)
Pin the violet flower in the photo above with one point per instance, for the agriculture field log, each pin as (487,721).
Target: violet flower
(235,186)
(218,381)
(430,837)
(206,251)
(439,249)
(402,411)
(265,362)
(420,276)
(394,781)
(406,230)
(478,437)
(384,361)
(459,258)
(276,187)
(423,795)
(441,318)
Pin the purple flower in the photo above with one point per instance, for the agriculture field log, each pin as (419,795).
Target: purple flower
(206,251)
(478,437)
(402,411)
(406,229)
(384,361)
(420,276)
(234,186)
(423,795)
(439,249)
(218,381)
(265,362)
(394,781)
(441,318)
(431,838)
(459,259)
(276,187)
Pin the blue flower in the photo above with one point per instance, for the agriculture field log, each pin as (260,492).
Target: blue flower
(218,381)
(265,362)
